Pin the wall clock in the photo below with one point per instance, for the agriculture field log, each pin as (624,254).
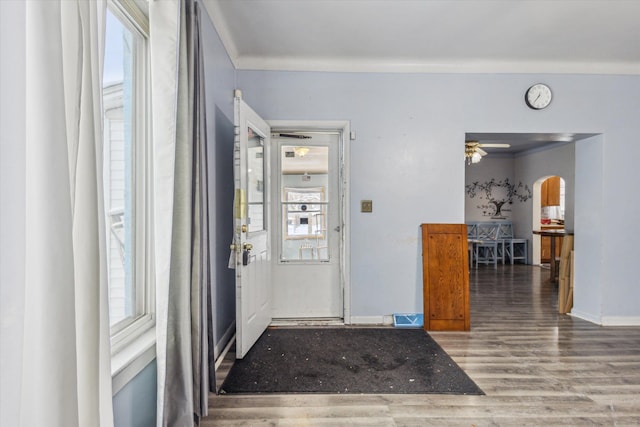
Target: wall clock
(538,96)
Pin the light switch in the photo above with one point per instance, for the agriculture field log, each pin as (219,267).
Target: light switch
(366,206)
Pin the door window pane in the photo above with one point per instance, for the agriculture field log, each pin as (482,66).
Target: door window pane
(255,178)
(304,213)
(304,200)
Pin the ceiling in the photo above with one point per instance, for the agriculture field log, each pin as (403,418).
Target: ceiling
(524,142)
(432,36)
(492,36)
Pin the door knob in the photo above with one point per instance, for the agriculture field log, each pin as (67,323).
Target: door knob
(245,253)
(337,228)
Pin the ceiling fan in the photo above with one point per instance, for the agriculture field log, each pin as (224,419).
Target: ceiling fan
(473,151)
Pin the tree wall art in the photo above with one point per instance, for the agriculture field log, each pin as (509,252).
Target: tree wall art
(494,197)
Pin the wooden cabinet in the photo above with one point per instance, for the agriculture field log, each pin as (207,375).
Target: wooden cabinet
(545,248)
(445,275)
(550,196)
(550,192)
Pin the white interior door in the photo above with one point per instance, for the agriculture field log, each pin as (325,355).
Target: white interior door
(308,229)
(252,226)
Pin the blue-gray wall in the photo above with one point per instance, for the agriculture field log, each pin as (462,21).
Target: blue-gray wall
(219,84)
(135,404)
(408,160)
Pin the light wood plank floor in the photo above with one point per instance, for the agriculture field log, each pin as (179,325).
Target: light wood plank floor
(536,367)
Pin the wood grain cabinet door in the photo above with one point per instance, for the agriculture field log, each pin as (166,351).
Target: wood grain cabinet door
(553,191)
(544,193)
(445,277)
(545,249)
(550,192)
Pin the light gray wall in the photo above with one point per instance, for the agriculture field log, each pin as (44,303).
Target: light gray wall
(12,205)
(593,223)
(408,160)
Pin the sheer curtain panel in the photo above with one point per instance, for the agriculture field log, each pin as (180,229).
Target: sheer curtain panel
(66,377)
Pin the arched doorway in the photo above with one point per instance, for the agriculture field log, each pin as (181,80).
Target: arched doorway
(548,213)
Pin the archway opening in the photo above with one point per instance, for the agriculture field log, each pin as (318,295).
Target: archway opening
(548,214)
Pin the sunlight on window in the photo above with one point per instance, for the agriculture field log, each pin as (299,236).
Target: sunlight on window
(118,156)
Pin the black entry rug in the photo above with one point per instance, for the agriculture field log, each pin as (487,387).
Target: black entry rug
(347,360)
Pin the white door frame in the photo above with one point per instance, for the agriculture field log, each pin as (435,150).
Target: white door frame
(344,127)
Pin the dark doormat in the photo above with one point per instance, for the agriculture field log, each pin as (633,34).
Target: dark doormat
(347,360)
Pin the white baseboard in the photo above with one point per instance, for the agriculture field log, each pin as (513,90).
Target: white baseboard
(221,357)
(620,321)
(586,316)
(372,320)
(224,340)
(306,322)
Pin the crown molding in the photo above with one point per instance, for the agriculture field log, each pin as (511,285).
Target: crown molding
(214,12)
(446,67)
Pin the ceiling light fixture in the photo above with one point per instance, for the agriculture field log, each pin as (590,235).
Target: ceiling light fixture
(473,151)
(471,155)
(301,151)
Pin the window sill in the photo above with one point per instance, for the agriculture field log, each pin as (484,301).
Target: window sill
(132,358)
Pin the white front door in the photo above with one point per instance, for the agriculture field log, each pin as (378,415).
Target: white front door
(307,237)
(251,226)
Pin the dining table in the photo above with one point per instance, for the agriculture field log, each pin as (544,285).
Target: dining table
(553,235)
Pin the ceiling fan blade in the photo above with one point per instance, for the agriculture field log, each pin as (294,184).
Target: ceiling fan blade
(495,145)
(481,151)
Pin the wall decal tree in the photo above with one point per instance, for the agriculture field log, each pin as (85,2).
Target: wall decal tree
(497,194)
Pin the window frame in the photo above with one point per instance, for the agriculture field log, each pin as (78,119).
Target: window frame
(133,338)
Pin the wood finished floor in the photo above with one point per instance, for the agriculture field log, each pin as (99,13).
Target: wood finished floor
(537,368)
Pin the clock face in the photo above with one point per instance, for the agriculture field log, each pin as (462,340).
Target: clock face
(538,96)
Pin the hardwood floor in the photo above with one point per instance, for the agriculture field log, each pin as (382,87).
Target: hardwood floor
(536,367)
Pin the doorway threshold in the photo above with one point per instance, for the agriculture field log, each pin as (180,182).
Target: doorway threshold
(308,322)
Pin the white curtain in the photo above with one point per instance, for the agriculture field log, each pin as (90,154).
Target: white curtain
(181,221)
(66,378)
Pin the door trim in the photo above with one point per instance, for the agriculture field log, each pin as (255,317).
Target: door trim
(344,127)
